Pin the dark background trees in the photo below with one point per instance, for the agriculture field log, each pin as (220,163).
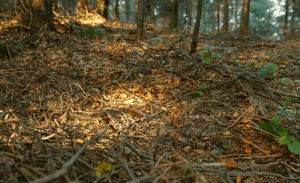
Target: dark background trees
(265,17)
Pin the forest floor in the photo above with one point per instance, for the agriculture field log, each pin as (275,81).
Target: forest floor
(91,103)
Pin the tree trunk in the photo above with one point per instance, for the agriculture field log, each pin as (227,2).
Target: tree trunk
(140,18)
(226,15)
(105,12)
(292,32)
(49,13)
(286,17)
(231,11)
(127,9)
(218,16)
(236,14)
(213,19)
(245,18)
(82,5)
(152,12)
(117,9)
(174,14)
(189,11)
(196,28)
(147,12)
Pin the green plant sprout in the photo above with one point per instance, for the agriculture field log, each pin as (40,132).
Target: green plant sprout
(272,68)
(206,58)
(199,93)
(286,138)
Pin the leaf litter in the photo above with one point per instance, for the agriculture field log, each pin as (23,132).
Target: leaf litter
(110,108)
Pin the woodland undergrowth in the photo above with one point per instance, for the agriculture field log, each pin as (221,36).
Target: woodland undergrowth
(95,104)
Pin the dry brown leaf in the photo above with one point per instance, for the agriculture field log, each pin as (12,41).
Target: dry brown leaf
(187,149)
(230,163)
(239,179)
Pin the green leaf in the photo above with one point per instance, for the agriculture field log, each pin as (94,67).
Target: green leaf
(287,101)
(239,73)
(282,111)
(251,64)
(272,67)
(276,120)
(294,115)
(294,146)
(284,140)
(110,38)
(202,87)
(198,94)
(283,131)
(216,151)
(267,127)
(262,66)
(264,71)
(206,59)
(242,66)
(285,112)
(220,55)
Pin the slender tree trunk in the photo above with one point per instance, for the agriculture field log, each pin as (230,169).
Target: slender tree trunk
(117,9)
(181,20)
(196,28)
(226,15)
(213,23)
(148,10)
(49,13)
(245,17)
(127,9)
(286,17)
(140,18)
(236,14)
(152,12)
(174,14)
(231,9)
(189,11)
(105,12)
(218,16)
(293,18)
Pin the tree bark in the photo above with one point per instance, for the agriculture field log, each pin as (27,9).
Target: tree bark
(286,17)
(196,28)
(117,9)
(218,16)
(226,15)
(245,18)
(213,18)
(292,31)
(140,18)
(189,11)
(152,12)
(49,13)
(236,14)
(174,14)
(105,12)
